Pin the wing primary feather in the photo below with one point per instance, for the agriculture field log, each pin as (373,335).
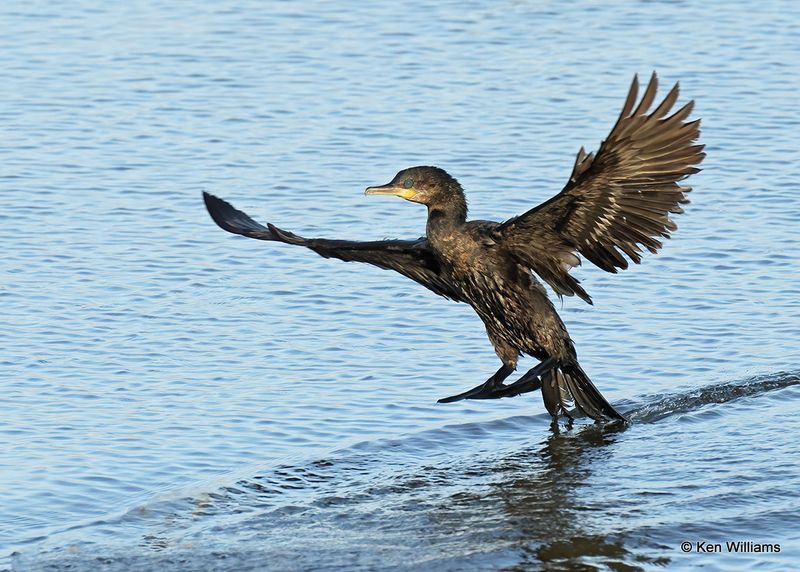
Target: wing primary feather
(616,203)
(648,97)
(663,108)
(411,258)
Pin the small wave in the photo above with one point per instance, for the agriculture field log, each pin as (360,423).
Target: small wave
(661,406)
(517,452)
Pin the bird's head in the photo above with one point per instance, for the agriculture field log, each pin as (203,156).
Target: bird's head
(430,186)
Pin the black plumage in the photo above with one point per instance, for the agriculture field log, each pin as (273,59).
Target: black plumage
(616,203)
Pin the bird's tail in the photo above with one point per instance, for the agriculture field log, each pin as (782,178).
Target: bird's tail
(567,385)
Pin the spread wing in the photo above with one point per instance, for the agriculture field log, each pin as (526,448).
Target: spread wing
(616,202)
(411,258)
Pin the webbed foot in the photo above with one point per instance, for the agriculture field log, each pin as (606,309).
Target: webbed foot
(531,381)
(486,390)
(519,387)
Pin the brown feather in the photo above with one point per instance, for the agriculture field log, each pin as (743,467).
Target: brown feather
(616,202)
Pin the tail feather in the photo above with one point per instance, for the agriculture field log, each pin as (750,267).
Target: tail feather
(551,393)
(567,385)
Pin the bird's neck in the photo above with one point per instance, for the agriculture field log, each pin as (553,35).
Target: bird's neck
(445,217)
(445,220)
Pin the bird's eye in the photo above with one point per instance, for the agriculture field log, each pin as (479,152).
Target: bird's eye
(408,183)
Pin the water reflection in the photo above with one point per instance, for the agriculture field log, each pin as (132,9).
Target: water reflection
(535,497)
(153,361)
(567,500)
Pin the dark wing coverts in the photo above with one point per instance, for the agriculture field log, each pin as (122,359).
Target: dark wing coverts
(616,202)
(411,258)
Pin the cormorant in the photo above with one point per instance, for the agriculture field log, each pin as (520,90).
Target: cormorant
(616,203)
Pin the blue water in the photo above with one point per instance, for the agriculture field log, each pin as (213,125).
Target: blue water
(175,397)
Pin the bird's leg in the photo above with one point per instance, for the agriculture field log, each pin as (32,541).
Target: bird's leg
(531,381)
(486,390)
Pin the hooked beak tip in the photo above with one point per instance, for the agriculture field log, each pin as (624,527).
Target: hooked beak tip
(379,190)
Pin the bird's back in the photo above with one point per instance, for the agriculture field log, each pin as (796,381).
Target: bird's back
(513,305)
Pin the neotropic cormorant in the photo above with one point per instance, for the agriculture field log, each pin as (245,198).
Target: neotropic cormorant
(615,203)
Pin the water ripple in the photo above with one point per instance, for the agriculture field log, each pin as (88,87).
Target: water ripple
(147,358)
(482,495)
